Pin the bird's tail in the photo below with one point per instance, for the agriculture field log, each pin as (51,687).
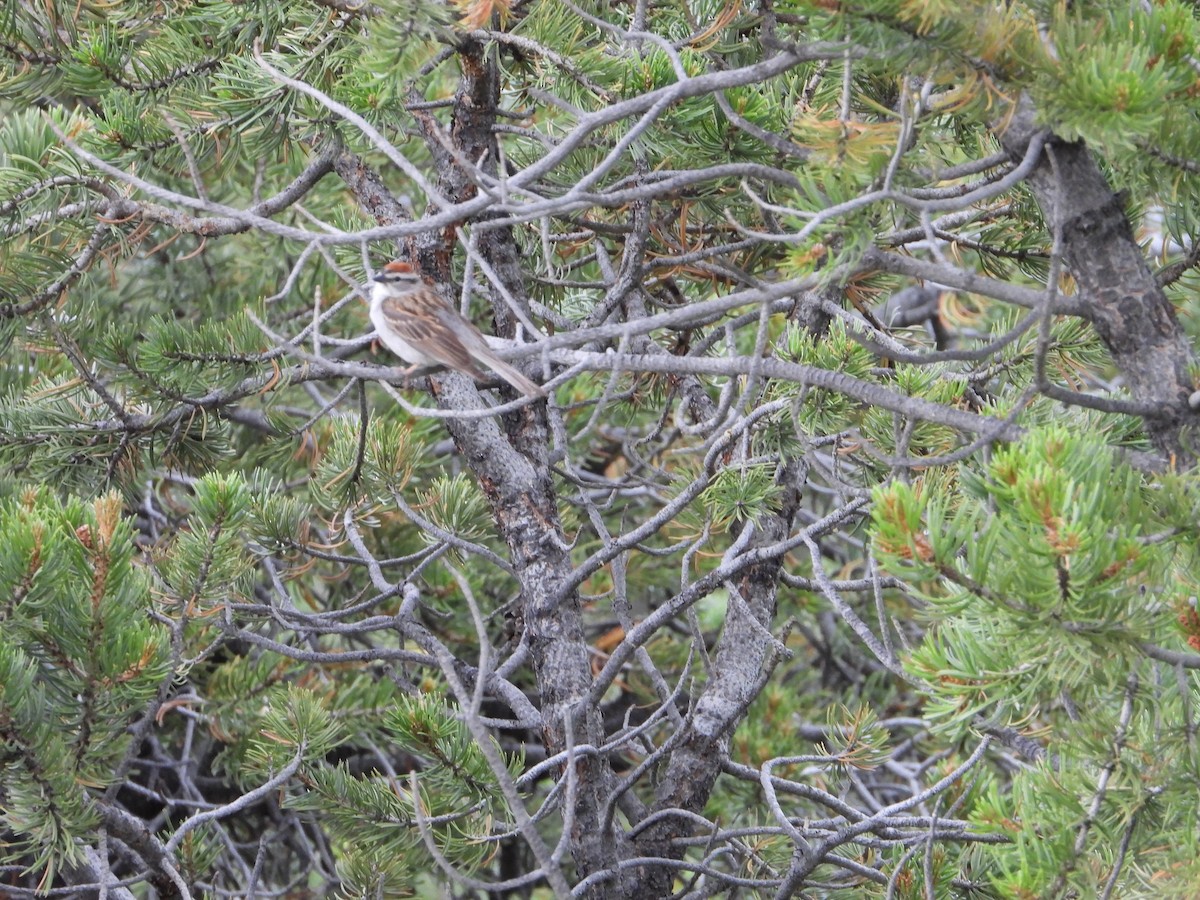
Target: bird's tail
(513,377)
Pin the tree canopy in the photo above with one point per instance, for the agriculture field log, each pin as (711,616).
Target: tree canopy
(852,553)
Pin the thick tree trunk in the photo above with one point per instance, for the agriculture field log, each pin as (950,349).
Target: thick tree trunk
(513,468)
(1124,301)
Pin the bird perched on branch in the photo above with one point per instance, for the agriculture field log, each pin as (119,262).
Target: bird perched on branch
(416,324)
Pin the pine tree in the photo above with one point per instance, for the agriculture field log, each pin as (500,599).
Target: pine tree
(852,555)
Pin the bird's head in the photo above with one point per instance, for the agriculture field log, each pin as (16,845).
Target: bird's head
(398,277)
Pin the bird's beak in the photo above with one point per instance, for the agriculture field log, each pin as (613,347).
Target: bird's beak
(380,277)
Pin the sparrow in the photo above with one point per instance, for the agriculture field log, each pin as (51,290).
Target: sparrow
(415,323)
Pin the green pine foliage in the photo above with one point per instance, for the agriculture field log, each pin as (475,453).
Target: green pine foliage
(225,559)
(79,662)
(1042,586)
(381,822)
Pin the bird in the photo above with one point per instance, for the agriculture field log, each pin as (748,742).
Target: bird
(415,323)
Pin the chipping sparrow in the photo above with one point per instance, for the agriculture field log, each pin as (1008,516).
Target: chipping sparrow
(414,323)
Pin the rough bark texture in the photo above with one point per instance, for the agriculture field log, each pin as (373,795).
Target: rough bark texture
(368,189)
(744,657)
(1124,301)
(513,469)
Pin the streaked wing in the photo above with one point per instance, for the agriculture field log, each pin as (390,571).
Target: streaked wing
(432,331)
